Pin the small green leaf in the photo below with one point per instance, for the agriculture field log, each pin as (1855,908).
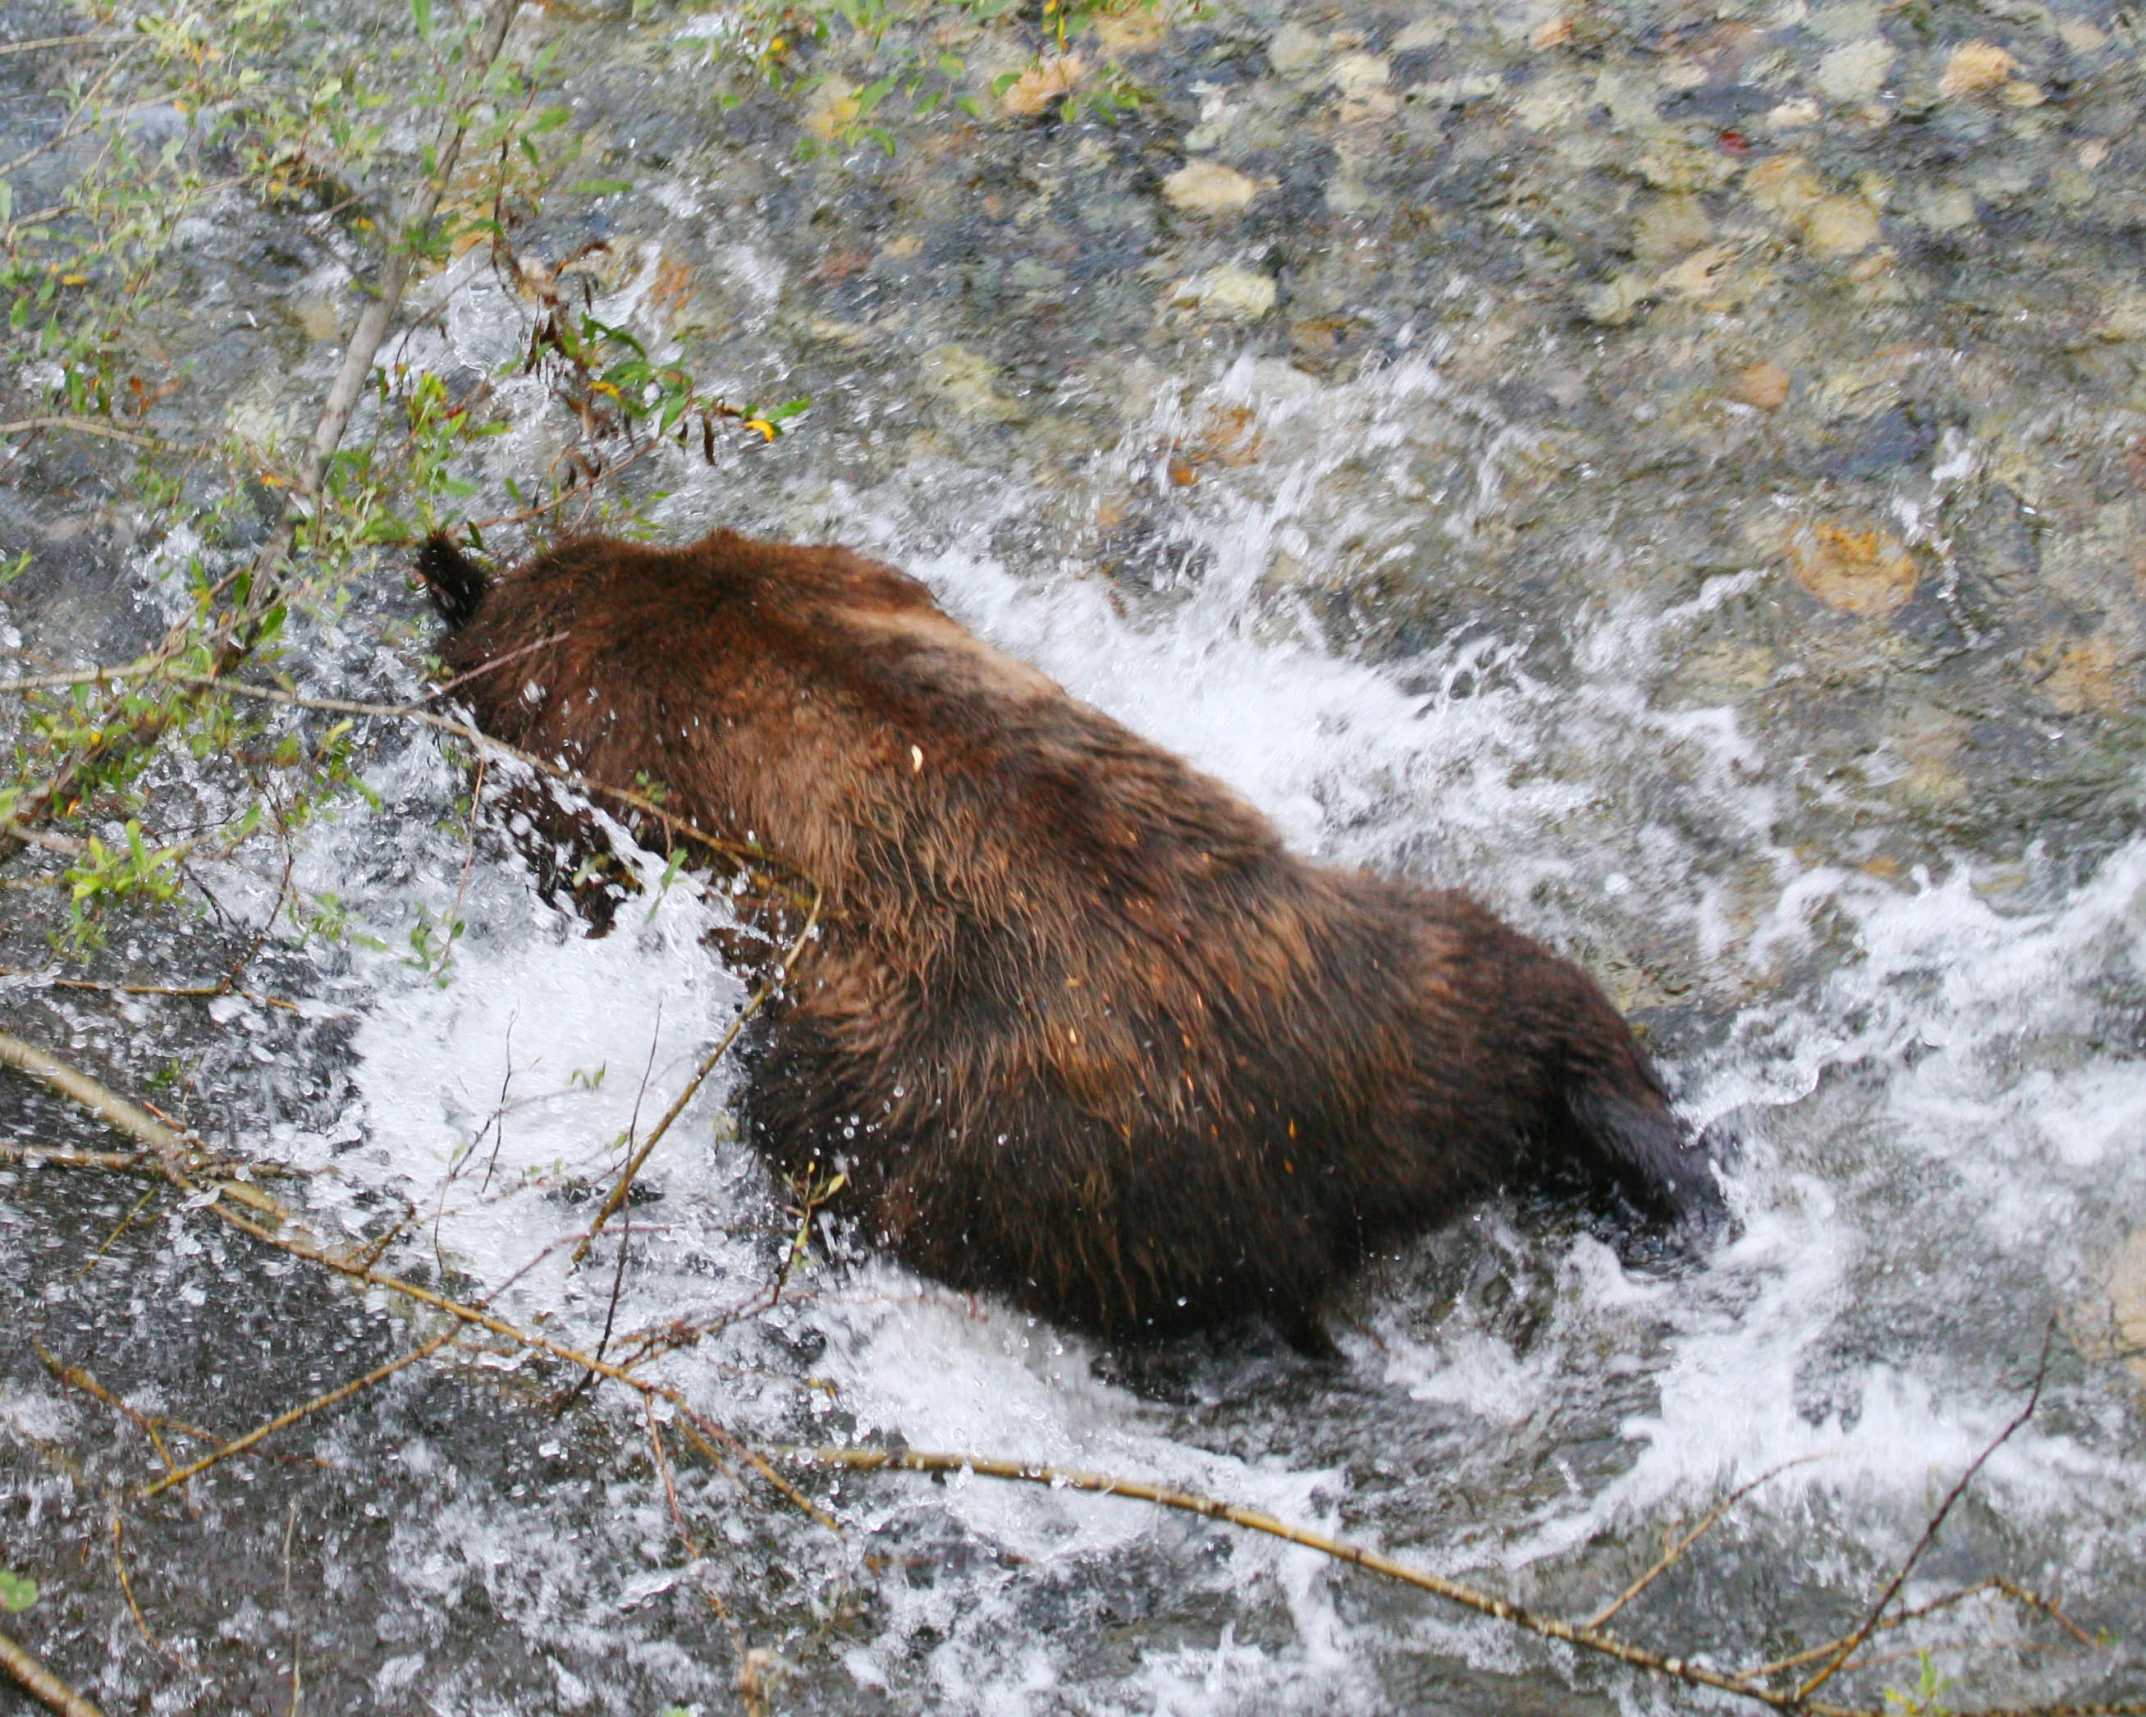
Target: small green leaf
(598,188)
(421,11)
(17,1591)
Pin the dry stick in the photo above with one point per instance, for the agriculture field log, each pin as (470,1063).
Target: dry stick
(133,1162)
(1998,1584)
(55,42)
(81,426)
(41,1684)
(754,1003)
(112,1239)
(700,1431)
(208,991)
(641,803)
(126,1588)
(671,822)
(1190,1502)
(1570,1633)
(1670,1557)
(75,1377)
(284,1421)
(64,844)
(1929,1533)
(411,232)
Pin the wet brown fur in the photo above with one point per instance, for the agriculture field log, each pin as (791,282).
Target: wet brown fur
(1080,1028)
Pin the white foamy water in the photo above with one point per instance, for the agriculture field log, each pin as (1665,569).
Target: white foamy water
(1920,1085)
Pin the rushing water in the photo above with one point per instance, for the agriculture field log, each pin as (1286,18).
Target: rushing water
(1501,597)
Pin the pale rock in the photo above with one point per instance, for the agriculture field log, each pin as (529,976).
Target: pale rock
(2081,37)
(1697,274)
(1231,293)
(1613,302)
(1853,567)
(1976,68)
(1945,209)
(1358,76)
(1043,85)
(2122,1315)
(1792,115)
(1294,50)
(831,109)
(967,383)
(1784,185)
(1548,103)
(1840,226)
(1426,32)
(1671,226)
(1132,31)
(1856,71)
(1846,21)
(1763,386)
(1209,189)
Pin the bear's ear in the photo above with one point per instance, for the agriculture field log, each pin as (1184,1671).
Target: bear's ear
(455,581)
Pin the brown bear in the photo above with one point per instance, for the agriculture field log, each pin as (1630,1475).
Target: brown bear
(1080,1029)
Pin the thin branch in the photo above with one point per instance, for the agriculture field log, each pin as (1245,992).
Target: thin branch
(1670,1557)
(1929,1533)
(705,1434)
(45,980)
(754,1003)
(672,824)
(41,1684)
(65,845)
(411,231)
(39,42)
(80,426)
(126,1588)
(284,1421)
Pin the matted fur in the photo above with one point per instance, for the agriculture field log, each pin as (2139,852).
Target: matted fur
(1080,1029)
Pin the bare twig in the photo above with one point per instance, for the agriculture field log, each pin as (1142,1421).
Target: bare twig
(41,1684)
(66,845)
(754,1003)
(204,991)
(1670,1557)
(1929,1532)
(80,426)
(705,1436)
(410,234)
(283,1421)
(2001,1587)
(125,1222)
(75,1377)
(40,42)
(126,1589)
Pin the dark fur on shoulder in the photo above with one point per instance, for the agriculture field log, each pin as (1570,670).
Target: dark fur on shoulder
(1082,1030)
